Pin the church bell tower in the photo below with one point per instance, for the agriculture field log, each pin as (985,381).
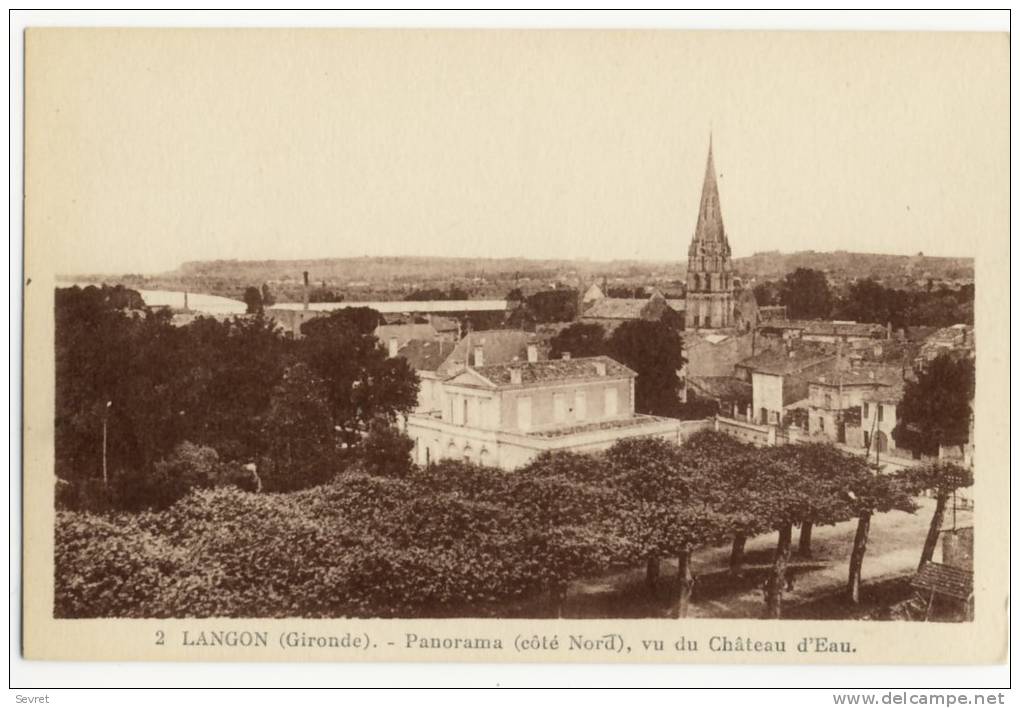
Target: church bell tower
(709,271)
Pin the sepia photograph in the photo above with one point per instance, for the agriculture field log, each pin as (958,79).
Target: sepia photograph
(514,325)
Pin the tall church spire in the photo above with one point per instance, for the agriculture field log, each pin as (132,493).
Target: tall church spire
(710,235)
(709,270)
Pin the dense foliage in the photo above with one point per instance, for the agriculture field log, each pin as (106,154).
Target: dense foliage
(652,349)
(807,294)
(450,539)
(132,388)
(936,406)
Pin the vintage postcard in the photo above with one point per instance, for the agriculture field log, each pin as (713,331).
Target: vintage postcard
(510,346)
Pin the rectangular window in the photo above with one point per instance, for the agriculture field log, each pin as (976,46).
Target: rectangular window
(581,405)
(524,413)
(821,424)
(611,402)
(559,407)
(866,413)
(464,411)
(878,409)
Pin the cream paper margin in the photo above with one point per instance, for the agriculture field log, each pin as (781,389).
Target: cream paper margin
(982,641)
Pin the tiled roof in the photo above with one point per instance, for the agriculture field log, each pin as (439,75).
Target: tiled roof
(829,327)
(863,375)
(404,333)
(781,362)
(551,370)
(945,580)
(892,393)
(426,354)
(444,324)
(617,308)
(727,388)
(499,346)
(955,338)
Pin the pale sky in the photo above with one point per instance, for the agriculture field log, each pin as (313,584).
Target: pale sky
(146,148)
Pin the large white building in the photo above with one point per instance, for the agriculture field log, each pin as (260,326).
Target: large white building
(504,414)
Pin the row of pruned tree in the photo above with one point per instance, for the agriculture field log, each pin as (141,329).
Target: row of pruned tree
(455,539)
(660,500)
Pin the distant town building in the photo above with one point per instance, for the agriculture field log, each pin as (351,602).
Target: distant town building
(779,379)
(828,331)
(856,405)
(957,341)
(611,312)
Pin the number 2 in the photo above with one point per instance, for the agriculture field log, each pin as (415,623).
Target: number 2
(160,640)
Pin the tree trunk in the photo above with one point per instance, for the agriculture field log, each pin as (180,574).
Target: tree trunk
(684,585)
(652,572)
(737,555)
(936,527)
(857,556)
(804,548)
(777,578)
(559,597)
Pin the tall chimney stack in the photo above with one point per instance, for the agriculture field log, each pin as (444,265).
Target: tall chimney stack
(532,352)
(479,355)
(304,292)
(393,347)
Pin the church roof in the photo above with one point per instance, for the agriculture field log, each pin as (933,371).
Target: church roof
(617,308)
(709,235)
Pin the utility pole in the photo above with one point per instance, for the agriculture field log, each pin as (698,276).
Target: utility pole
(106,418)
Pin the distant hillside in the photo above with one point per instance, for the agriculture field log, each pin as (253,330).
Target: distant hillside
(370,277)
(844,265)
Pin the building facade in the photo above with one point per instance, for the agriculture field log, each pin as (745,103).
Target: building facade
(503,415)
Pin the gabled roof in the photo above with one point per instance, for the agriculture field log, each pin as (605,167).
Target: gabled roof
(426,354)
(594,292)
(616,308)
(780,362)
(619,308)
(554,370)
(499,346)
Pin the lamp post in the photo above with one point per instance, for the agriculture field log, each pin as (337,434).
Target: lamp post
(106,417)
